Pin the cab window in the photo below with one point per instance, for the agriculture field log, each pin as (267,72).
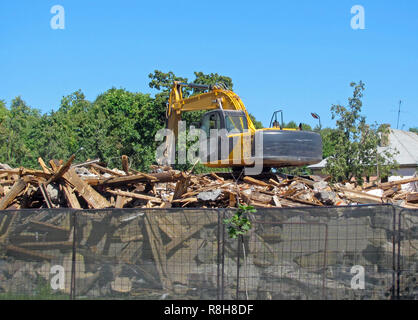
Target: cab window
(236,123)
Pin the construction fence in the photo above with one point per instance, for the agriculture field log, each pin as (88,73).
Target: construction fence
(358,252)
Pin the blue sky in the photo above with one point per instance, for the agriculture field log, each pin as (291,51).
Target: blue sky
(299,55)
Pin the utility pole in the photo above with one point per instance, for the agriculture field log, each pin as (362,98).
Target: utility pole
(399,113)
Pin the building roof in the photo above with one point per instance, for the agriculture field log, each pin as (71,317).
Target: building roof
(406,143)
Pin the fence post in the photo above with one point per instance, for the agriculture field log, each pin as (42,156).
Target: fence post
(223,256)
(219,259)
(238,263)
(394,236)
(74,257)
(398,278)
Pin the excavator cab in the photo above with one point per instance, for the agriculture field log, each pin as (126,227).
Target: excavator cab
(232,121)
(227,122)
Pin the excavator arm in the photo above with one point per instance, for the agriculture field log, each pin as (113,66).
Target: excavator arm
(216,98)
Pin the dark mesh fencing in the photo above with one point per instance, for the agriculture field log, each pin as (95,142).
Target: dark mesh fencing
(362,252)
(407,255)
(147,254)
(35,254)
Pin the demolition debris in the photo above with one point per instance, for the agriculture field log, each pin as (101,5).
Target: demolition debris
(91,185)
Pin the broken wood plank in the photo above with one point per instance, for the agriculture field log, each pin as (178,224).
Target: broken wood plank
(412,197)
(255,182)
(125,180)
(277,201)
(17,188)
(295,199)
(361,197)
(133,179)
(92,197)
(106,170)
(389,185)
(181,186)
(61,171)
(71,198)
(193,199)
(27,172)
(260,197)
(292,204)
(390,192)
(83,164)
(46,196)
(308,182)
(120,201)
(125,164)
(134,195)
(43,166)
(218,178)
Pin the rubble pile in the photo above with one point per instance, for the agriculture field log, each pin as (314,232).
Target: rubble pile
(91,185)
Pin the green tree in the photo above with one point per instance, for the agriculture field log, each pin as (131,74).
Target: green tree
(257,124)
(328,144)
(124,123)
(355,143)
(59,133)
(19,143)
(415,130)
(3,131)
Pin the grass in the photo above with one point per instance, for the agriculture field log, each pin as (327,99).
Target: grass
(42,291)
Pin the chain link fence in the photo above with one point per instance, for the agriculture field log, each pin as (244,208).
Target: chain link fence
(330,253)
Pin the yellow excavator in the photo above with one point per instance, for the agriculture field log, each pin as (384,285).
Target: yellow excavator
(273,147)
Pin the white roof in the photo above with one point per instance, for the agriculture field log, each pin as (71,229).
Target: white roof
(406,143)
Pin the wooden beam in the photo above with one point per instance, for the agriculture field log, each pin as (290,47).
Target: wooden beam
(412,197)
(17,188)
(120,201)
(181,186)
(133,179)
(92,197)
(71,198)
(125,164)
(361,197)
(43,166)
(134,195)
(27,172)
(105,170)
(255,182)
(46,195)
(61,171)
(389,185)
